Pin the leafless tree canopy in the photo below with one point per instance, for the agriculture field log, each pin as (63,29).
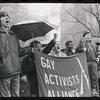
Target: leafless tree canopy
(91,9)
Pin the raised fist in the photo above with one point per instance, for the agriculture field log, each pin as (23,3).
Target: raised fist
(55,36)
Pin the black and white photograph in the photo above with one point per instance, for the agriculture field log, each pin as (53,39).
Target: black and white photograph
(49,50)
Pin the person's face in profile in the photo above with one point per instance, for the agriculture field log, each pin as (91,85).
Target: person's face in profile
(72,47)
(38,47)
(71,44)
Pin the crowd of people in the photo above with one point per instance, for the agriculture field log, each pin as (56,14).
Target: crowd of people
(18,76)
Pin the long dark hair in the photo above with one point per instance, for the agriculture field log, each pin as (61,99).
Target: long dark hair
(34,43)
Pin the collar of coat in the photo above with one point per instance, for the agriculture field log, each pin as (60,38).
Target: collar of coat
(3,31)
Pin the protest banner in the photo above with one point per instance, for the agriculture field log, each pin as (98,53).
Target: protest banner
(62,77)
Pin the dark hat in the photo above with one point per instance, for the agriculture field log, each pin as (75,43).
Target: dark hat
(34,43)
(68,42)
(85,33)
(3,13)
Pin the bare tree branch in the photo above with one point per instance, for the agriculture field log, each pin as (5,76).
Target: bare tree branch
(72,21)
(91,11)
(83,8)
(96,15)
(78,20)
(97,7)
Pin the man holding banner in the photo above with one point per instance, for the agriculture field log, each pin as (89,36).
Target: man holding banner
(29,66)
(91,52)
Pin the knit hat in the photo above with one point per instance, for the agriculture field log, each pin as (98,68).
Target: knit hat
(87,32)
(3,13)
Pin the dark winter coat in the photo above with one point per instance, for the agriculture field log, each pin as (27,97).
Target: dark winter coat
(9,54)
(91,51)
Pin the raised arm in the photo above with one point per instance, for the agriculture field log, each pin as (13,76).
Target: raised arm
(50,45)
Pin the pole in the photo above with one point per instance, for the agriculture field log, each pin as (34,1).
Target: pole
(32,38)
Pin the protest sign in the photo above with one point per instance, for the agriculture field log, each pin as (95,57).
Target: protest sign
(62,77)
